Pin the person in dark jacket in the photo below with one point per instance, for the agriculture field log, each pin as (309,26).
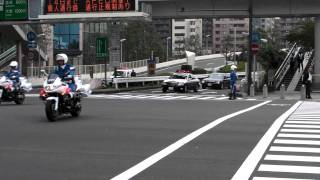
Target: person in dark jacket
(307,80)
(300,59)
(14,74)
(133,73)
(65,71)
(233,81)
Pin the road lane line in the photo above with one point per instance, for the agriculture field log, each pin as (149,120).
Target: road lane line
(304,142)
(304,119)
(311,136)
(301,126)
(248,166)
(294,149)
(301,130)
(273,178)
(273,157)
(178,144)
(289,169)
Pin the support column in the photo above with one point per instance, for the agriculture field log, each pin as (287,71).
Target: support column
(316,76)
(19,55)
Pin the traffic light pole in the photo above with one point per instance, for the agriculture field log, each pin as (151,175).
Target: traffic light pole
(249,78)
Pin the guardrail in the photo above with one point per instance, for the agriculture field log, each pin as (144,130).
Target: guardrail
(158,79)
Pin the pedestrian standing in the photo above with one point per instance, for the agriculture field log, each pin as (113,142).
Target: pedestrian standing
(307,81)
(300,59)
(233,81)
(133,73)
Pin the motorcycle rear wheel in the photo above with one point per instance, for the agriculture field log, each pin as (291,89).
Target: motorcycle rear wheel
(50,112)
(75,112)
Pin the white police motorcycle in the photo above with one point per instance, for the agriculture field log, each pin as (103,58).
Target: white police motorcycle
(10,92)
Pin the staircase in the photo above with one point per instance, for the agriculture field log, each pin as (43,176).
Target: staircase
(7,56)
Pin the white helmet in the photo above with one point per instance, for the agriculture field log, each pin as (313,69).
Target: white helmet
(233,67)
(62,56)
(13,64)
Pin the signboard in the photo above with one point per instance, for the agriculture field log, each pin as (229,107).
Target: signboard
(31,55)
(31,36)
(254,48)
(32,44)
(1,9)
(87,6)
(101,47)
(256,38)
(14,10)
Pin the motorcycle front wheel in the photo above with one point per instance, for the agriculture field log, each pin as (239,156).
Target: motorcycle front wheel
(50,111)
(76,110)
(20,98)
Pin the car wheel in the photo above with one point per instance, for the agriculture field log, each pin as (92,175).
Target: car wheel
(164,89)
(204,86)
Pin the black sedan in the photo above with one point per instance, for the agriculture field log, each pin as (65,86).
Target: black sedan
(217,80)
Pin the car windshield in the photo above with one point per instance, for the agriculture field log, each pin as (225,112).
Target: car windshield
(178,76)
(216,76)
(119,73)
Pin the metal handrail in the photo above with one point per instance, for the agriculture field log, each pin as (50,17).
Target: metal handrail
(7,58)
(281,72)
(7,52)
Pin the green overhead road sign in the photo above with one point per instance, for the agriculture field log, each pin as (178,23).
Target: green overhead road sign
(13,9)
(101,47)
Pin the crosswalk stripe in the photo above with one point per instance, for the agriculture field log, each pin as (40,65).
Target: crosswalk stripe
(302,126)
(302,122)
(289,168)
(312,136)
(304,119)
(304,142)
(273,178)
(221,98)
(301,130)
(205,98)
(294,149)
(272,157)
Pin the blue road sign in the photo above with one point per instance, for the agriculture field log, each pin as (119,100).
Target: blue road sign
(256,38)
(32,44)
(31,36)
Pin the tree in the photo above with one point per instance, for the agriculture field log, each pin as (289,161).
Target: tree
(303,34)
(227,45)
(193,44)
(141,38)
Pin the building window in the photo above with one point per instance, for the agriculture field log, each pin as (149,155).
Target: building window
(217,25)
(179,27)
(66,36)
(217,32)
(179,34)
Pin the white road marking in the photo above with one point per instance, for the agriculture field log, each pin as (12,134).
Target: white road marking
(304,119)
(248,166)
(301,130)
(289,141)
(312,136)
(222,98)
(301,126)
(273,178)
(289,169)
(272,157)
(302,122)
(294,149)
(178,144)
(205,98)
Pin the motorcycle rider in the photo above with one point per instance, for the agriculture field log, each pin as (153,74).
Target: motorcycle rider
(233,81)
(14,74)
(65,71)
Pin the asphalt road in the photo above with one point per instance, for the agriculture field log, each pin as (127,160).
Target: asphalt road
(114,134)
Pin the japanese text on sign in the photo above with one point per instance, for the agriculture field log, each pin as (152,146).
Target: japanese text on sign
(73,6)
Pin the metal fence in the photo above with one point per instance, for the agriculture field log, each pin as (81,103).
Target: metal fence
(88,69)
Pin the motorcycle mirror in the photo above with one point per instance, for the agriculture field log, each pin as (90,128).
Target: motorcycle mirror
(43,72)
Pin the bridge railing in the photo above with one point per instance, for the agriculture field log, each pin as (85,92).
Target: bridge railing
(142,80)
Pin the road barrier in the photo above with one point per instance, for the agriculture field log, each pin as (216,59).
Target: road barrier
(142,80)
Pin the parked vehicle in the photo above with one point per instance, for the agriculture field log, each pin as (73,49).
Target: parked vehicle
(185,69)
(217,80)
(181,82)
(10,92)
(120,73)
(59,99)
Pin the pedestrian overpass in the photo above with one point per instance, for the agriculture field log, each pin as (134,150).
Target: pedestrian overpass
(243,8)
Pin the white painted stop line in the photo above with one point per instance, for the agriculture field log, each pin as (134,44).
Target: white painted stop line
(133,171)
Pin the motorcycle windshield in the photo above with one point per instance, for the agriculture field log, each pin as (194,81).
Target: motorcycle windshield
(52,78)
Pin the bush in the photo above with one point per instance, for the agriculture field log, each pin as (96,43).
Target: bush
(199,71)
(226,69)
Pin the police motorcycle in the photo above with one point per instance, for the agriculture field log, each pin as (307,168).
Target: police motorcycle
(10,92)
(59,98)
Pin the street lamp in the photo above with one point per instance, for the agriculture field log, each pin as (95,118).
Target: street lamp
(38,47)
(121,41)
(168,38)
(207,37)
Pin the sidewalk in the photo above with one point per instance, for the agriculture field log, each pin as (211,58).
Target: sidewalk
(295,95)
